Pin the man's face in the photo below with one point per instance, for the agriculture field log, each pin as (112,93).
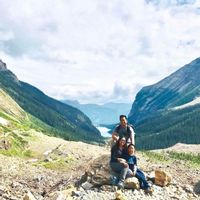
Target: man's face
(123,121)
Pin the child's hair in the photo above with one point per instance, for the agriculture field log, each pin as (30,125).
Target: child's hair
(130,145)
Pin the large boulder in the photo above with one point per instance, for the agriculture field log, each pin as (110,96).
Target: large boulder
(132,183)
(162,178)
(99,173)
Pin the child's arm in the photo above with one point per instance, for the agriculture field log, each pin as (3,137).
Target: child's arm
(135,170)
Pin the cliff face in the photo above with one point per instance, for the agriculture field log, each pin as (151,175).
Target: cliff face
(177,89)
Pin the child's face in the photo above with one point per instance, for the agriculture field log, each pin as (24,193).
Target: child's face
(131,150)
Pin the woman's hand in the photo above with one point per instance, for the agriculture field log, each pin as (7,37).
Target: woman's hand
(121,160)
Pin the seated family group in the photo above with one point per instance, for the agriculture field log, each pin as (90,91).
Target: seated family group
(123,160)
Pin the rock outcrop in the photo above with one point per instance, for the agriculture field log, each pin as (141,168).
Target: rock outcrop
(3,66)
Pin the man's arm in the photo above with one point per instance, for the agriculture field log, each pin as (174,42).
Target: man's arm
(115,136)
(132,136)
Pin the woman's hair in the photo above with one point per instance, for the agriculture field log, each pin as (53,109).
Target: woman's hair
(117,143)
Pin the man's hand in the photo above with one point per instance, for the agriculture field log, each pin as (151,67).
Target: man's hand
(115,137)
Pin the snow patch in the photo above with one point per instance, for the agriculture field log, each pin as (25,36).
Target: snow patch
(191,103)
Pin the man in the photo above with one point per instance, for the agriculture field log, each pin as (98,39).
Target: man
(124,129)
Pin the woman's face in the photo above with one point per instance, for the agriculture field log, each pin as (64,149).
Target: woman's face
(131,150)
(122,141)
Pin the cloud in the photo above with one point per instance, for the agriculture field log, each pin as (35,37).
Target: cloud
(167,3)
(97,51)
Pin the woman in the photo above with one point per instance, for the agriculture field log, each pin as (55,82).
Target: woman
(117,163)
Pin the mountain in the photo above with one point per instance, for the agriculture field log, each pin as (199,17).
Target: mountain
(177,89)
(102,114)
(63,120)
(168,112)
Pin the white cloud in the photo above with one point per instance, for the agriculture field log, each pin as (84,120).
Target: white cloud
(97,51)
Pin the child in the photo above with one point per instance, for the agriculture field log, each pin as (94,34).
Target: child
(132,162)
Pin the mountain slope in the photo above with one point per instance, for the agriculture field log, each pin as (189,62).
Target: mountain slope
(179,88)
(168,128)
(10,107)
(66,121)
(169,112)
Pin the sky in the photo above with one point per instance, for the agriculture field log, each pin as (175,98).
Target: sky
(97,51)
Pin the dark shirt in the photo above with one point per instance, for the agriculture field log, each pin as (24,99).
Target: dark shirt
(131,160)
(127,132)
(116,152)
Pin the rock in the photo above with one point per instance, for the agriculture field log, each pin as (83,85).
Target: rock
(87,185)
(48,160)
(100,171)
(64,194)
(38,178)
(33,160)
(3,66)
(108,188)
(29,196)
(57,196)
(77,193)
(132,183)
(188,188)
(162,178)
(119,195)
(197,188)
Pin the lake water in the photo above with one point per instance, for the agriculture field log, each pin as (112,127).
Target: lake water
(104,131)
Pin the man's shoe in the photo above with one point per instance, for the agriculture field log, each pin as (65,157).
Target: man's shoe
(120,185)
(149,190)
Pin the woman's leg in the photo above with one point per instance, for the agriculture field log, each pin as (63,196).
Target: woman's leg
(120,169)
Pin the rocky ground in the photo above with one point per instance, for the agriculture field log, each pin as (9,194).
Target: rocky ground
(28,179)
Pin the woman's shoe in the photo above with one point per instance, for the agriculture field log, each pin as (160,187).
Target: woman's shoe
(120,185)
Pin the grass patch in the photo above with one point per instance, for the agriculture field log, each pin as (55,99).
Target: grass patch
(59,164)
(156,157)
(192,159)
(17,152)
(170,156)
(8,117)
(13,144)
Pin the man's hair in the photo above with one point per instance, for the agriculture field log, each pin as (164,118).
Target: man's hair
(121,116)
